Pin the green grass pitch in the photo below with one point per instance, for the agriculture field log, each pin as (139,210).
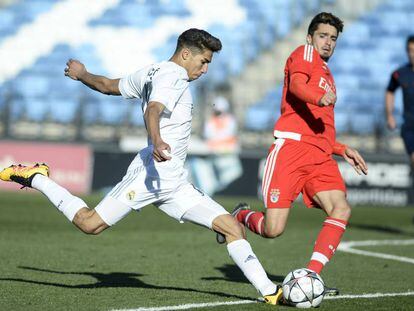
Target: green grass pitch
(150,260)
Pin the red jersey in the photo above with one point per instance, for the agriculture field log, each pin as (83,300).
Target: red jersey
(303,120)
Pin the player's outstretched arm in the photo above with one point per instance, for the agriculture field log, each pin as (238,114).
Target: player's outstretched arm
(351,156)
(389,109)
(161,150)
(77,71)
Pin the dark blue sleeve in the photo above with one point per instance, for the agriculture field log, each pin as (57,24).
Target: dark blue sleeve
(394,83)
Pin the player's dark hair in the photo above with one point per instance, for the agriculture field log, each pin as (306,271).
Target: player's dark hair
(325,18)
(410,39)
(198,40)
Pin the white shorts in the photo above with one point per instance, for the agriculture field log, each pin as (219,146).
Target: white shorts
(163,184)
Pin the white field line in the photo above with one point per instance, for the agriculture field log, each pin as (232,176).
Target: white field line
(240,302)
(348,247)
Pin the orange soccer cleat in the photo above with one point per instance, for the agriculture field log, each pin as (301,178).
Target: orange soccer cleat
(22,174)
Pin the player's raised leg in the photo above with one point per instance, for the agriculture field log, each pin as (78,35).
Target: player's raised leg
(334,203)
(270,224)
(74,208)
(202,210)
(242,254)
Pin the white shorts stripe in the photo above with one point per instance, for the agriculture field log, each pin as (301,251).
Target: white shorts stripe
(123,184)
(320,257)
(118,187)
(267,171)
(278,145)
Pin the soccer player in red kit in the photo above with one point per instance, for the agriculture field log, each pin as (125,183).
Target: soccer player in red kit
(300,160)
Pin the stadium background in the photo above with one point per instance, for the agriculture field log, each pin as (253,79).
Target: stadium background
(80,133)
(149,261)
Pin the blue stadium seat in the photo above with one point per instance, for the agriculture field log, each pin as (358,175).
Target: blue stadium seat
(113,110)
(363,122)
(90,111)
(6,19)
(36,109)
(17,14)
(31,85)
(136,117)
(63,110)
(360,81)
(140,14)
(165,51)
(17,111)
(260,117)
(342,119)
(382,32)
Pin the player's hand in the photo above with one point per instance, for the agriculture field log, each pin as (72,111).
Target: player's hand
(356,161)
(75,69)
(161,151)
(391,123)
(328,99)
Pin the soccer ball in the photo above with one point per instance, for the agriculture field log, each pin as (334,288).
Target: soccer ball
(303,288)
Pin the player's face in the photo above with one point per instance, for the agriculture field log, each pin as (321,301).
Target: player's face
(324,40)
(197,63)
(410,52)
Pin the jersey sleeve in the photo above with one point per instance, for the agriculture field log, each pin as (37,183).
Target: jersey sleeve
(339,149)
(394,83)
(301,60)
(167,89)
(129,86)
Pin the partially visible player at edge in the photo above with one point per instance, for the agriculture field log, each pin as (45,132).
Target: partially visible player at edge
(156,175)
(300,160)
(403,77)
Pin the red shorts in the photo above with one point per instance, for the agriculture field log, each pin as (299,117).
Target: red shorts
(293,167)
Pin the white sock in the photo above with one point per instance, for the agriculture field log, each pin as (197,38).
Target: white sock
(64,201)
(242,254)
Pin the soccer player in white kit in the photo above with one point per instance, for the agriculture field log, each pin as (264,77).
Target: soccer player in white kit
(156,175)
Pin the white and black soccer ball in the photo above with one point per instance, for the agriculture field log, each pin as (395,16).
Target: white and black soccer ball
(303,288)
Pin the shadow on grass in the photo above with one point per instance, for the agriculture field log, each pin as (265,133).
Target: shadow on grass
(382,229)
(232,273)
(113,280)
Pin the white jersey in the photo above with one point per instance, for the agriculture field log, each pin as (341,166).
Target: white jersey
(166,83)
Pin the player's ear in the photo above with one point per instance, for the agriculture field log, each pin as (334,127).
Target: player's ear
(185,53)
(309,39)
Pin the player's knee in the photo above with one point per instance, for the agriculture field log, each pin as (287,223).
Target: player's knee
(341,211)
(90,230)
(87,223)
(236,230)
(274,231)
(229,227)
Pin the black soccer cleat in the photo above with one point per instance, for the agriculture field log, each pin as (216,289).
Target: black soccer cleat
(331,291)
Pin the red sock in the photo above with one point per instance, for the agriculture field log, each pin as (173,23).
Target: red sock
(252,220)
(326,243)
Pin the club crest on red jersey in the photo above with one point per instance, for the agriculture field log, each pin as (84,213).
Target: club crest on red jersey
(274,195)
